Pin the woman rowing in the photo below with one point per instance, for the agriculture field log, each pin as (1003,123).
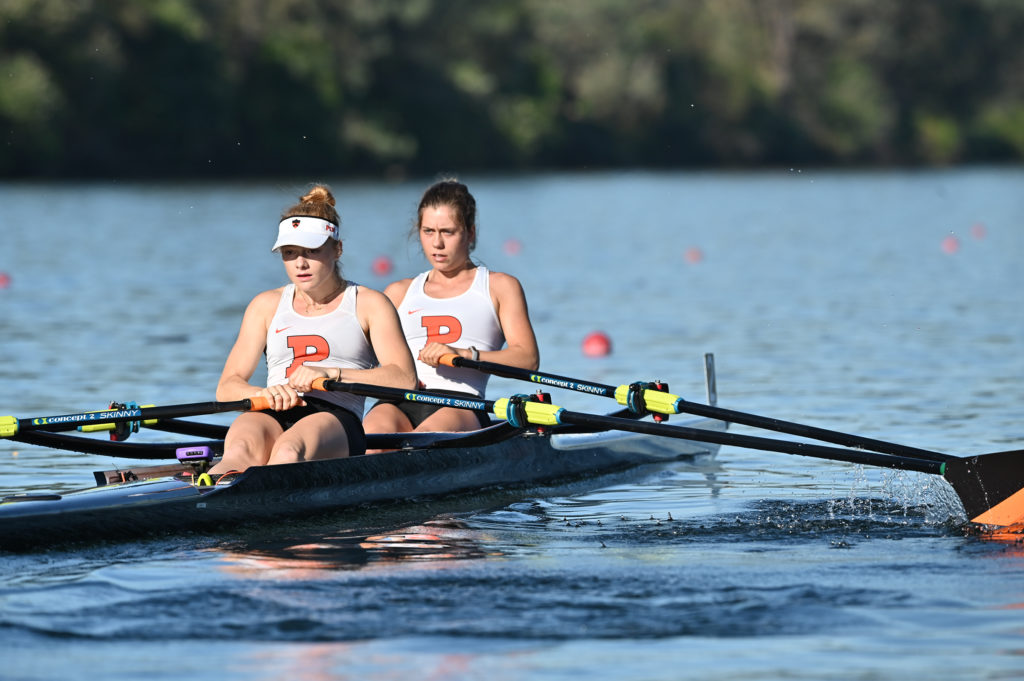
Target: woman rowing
(457,307)
(318,326)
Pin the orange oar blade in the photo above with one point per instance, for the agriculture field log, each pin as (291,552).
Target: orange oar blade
(991,486)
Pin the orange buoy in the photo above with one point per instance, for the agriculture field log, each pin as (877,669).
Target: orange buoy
(693,255)
(597,344)
(382,266)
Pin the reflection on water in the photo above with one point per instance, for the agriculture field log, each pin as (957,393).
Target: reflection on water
(348,660)
(442,539)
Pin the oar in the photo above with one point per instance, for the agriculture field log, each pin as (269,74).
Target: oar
(522,412)
(118,449)
(990,486)
(10,425)
(194,428)
(667,403)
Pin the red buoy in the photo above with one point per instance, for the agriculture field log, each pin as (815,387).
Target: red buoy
(382,266)
(950,244)
(694,255)
(5,280)
(597,344)
(513,247)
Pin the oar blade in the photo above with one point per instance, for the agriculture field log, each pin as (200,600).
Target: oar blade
(991,486)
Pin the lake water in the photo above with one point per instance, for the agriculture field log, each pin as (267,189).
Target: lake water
(883,304)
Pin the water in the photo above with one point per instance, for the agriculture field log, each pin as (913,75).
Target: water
(827,299)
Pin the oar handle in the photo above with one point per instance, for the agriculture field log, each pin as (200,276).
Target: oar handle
(259,403)
(454,360)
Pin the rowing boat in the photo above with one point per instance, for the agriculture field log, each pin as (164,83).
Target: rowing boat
(533,442)
(146,500)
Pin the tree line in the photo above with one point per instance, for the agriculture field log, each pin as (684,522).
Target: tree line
(246,88)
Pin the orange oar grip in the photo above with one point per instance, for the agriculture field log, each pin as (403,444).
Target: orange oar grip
(318,383)
(258,403)
(448,360)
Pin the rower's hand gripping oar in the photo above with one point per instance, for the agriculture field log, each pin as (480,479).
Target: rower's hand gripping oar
(638,398)
(990,486)
(11,426)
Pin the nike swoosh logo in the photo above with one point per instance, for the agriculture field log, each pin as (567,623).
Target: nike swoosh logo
(283,328)
(413,311)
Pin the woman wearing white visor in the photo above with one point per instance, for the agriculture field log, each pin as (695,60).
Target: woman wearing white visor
(318,326)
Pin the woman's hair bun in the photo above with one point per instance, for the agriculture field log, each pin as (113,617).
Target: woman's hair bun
(318,194)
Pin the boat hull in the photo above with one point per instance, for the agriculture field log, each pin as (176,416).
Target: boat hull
(171,503)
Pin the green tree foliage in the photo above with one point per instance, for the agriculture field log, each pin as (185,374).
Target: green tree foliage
(154,88)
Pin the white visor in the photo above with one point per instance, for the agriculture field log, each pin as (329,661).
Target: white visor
(305,232)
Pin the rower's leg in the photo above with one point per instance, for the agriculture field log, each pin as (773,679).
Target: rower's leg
(248,442)
(386,418)
(317,436)
(449,419)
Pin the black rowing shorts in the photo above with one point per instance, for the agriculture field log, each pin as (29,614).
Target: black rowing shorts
(352,424)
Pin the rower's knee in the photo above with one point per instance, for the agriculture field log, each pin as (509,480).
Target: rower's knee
(239,457)
(287,451)
(386,418)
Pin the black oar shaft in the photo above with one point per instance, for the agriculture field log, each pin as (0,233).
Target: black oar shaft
(812,432)
(384,393)
(752,442)
(72,421)
(126,450)
(552,380)
(649,428)
(715,412)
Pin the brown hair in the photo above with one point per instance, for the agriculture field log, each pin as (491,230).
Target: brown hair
(452,193)
(317,203)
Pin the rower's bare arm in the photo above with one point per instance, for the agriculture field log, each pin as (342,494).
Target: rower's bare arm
(514,317)
(395,367)
(247,352)
(396,291)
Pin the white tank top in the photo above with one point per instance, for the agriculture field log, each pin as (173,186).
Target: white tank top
(335,339)
(466,320)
